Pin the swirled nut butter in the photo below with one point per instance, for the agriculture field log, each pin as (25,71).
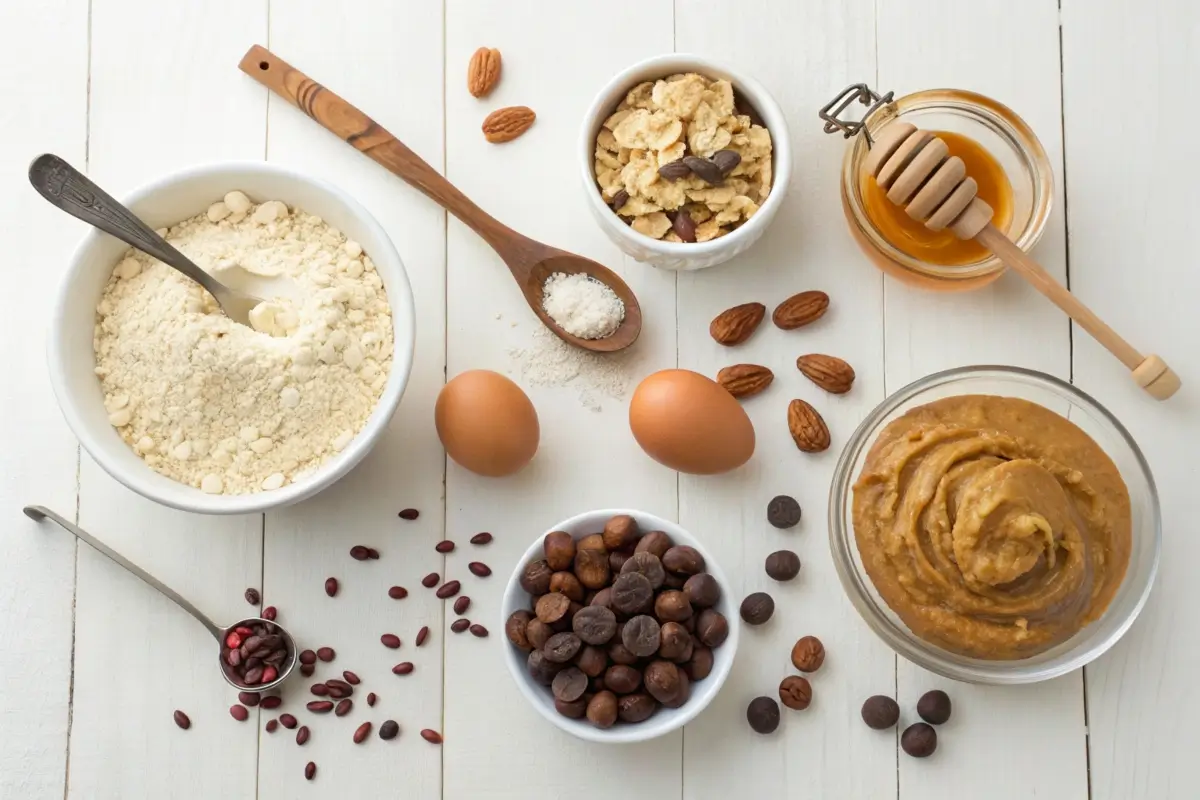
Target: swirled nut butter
(993,527)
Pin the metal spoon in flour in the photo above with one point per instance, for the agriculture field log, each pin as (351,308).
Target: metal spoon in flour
(67,188)
(40,513)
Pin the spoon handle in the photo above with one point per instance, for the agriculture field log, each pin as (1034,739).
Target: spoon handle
(70,190)
(39,513)
(367,136)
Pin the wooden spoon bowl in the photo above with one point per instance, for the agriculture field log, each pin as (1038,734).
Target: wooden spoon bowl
(529,261)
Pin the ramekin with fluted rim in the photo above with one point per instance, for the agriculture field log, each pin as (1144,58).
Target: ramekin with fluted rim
(683,255)
(664,720)
(1087,644)
(164,202)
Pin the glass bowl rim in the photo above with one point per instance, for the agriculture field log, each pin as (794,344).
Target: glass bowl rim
(900,639)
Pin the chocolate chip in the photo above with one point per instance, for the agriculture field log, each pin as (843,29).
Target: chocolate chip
(919,740)
(726,160)
(619,199)
(934,707)
(783,565)
(783,511)
(704,169)
(795,692)
(880,712)
(757,608)
(675,170)
(763,715)
(389,730)
(684,226)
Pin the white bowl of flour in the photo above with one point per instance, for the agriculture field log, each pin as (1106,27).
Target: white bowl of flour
(190,410)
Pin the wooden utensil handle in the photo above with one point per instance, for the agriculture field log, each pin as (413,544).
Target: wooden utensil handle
(368,137)
(1151,372)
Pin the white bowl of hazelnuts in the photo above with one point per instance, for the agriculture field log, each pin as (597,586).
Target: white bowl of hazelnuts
(619,626)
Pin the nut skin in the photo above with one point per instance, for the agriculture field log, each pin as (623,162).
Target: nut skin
(566,583)
(515,628)
(619,532)
(559,548)
(535,579)
(795,692)
(808,654)
(733,326)
(655,542)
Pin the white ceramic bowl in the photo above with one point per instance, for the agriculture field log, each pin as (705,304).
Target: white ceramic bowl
(165,202)
(676,255)
(664,720)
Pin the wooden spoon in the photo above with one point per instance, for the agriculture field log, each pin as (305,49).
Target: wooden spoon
(529,261)
(913,167)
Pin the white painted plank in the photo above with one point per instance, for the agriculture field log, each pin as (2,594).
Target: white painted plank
(496,745)
(46,111)
(1010,52)
(165,94)
(387,59)
(803,53)
(1132,228)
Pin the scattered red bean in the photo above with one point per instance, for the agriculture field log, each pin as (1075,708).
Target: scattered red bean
(431,736)
(253,597)
(310,771)
(479,630)
(430,580)
(409,513)
(448,589)
(182,719)
(397,593)
(362,732)
(326,654)
(271,701)
(372,554)
(308,669)
(422,635)
(239,712)
(371,698)
(331,586)
(461,605)
(445,546)
(248,698)
(319,689)
(390,640)
(343,707)
(302,735)
(339,689)
(479,569)
(403,668)
(308,657)
(287,721)
(269,613)
(360,552)
(350,677)
(460,625)
(272,724)
(481,538)
(320,706)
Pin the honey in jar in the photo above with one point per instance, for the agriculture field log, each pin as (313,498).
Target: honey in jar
(943,247)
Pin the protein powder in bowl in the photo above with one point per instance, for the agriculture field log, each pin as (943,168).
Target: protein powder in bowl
(195,411)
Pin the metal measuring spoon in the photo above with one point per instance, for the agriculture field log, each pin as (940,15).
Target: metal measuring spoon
(68,188)
(39,513)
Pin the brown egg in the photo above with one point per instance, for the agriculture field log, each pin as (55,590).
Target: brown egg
(690,423)
(486,423)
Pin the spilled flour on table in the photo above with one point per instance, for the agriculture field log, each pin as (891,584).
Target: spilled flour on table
(549,361)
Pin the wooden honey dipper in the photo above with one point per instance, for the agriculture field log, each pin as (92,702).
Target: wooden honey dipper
(916,170)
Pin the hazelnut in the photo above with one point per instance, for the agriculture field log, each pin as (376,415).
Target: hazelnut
(702,590)
(553,607)
(711,629)
(566,583)
(681,696)
(537,632)
(683,560)
(602,709)
(602,598)
(617,559)
(674,580)
(622,679)
(536,577)
(514,628)
(675,642)
(662,680)
(591,567)
(592,660)
(593,541)
(700,665)
(808,654)
(619,532)
(560,550)
(672,606)
(655,542)
(636,707)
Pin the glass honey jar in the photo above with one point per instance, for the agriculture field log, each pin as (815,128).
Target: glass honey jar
(1000,151)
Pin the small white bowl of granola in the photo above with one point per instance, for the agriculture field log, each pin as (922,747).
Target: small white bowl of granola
(685,161)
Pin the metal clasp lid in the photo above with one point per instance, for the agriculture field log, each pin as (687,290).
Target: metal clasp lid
(863,94)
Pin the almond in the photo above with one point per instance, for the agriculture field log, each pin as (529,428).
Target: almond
(506,124)
(800,310)
(809,431)
(743,380)
(483,73)
(830,373)
(734,325)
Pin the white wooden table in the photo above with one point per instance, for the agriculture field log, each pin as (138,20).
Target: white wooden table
(93,662)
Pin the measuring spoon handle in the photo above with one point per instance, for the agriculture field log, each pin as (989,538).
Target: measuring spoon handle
(39,513)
